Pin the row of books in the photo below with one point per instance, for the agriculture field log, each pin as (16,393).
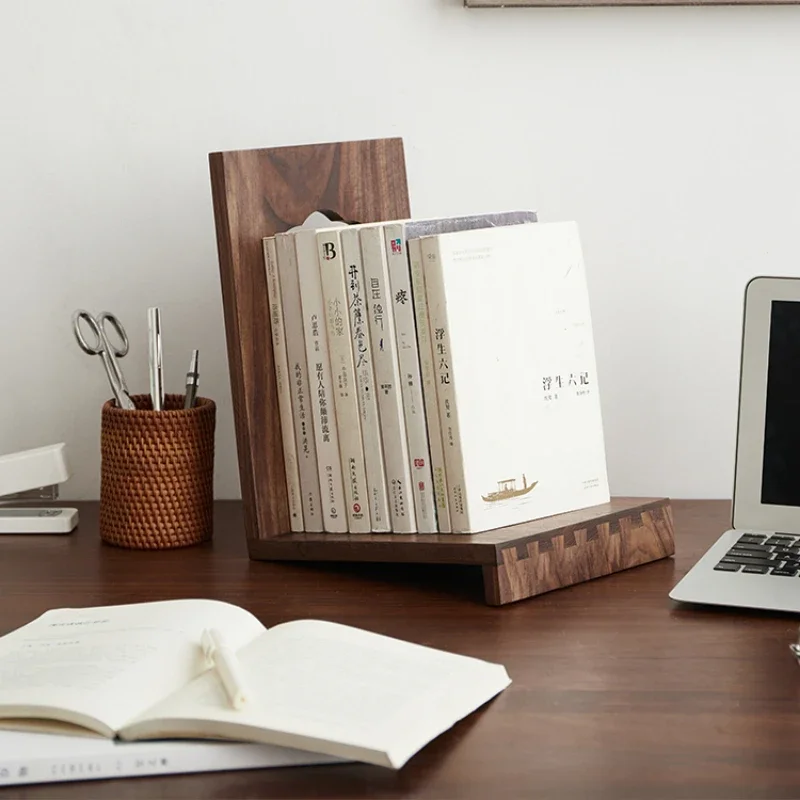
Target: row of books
(434,376)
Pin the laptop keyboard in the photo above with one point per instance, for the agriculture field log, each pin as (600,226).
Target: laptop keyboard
(763,554)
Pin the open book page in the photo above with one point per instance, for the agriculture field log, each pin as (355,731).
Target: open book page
(100,667)
(332,689)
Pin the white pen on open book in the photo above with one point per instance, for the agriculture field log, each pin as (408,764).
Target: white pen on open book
(220,655)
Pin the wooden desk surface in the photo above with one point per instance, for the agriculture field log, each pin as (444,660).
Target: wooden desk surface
(616,691)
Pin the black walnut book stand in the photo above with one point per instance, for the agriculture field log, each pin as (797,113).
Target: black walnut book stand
(257,193)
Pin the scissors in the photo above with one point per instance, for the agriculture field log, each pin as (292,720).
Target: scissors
(108,352)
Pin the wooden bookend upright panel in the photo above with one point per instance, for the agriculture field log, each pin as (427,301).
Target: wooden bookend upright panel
(258,193)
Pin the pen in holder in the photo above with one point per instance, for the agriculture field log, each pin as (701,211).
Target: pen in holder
(157,473)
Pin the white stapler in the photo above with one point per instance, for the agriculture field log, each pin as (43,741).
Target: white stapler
(34,475)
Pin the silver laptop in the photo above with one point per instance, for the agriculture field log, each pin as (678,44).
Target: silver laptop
(756,564)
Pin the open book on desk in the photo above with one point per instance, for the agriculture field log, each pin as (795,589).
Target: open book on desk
(138,672)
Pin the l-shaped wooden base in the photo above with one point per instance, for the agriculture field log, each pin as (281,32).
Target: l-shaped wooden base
(517,562)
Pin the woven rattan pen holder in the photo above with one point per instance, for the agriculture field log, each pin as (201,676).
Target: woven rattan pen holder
(157,474)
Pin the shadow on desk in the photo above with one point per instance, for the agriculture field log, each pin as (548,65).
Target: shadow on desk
(434,581)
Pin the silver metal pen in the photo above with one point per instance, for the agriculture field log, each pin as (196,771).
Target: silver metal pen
(155,352)
(192,379)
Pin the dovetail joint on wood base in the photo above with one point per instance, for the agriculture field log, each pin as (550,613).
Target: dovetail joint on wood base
(553,561)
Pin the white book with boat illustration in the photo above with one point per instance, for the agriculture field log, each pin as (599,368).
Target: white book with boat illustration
(412,231)
(516,374)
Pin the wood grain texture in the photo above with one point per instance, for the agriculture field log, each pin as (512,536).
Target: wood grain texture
(257,193)
(617,692)
(580,552)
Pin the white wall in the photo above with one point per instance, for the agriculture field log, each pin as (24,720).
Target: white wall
(670,134)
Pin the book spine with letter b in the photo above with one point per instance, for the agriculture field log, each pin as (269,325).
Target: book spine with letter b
(319,369)
(343,380)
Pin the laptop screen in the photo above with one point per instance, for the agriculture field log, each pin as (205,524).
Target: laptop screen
(780,482)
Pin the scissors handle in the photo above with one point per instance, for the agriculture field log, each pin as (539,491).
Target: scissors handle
(108,352)
(97,327)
